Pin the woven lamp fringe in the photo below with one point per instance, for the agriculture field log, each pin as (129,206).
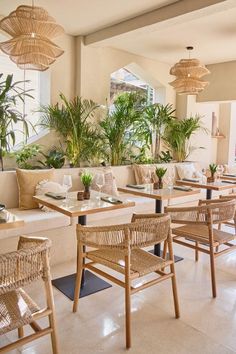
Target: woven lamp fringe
(188,74)
(31,28)
(25,44)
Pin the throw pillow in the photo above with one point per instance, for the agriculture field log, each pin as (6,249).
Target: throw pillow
(27,181)
(143,174)
(46,186)
(186,171)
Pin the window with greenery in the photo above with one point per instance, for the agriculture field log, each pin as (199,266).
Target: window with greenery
(38,84)
(123,80)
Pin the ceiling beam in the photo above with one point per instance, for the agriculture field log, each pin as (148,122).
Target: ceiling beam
(155,17)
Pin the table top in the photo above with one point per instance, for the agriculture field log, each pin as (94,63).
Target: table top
(216,186)
(229,178)
(12,221)
(160,194)
(74,208)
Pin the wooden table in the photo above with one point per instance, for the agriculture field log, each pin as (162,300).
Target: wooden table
(74,208)
(228,178)
(12,221)
(213,186)
(159,195)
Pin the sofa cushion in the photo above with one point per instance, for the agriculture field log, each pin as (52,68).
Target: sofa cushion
(36,220)
(27,181)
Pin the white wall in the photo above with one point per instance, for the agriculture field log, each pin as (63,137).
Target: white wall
(96,65)
(209,153)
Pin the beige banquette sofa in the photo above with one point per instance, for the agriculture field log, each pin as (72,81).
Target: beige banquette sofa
(59,228)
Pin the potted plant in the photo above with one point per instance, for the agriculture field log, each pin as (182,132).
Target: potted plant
(156,117)
(160,172)
(10,94)
(177,136)
(213,169)
(119,127)
(25,156)
(86,179)
(74,121)
(53,159)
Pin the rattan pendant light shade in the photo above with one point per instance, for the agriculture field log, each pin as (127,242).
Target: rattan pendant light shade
(189,73)
(32,30)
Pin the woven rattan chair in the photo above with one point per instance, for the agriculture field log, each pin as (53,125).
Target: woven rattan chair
(199,226)
(18,269)
(119,247)
(231,196)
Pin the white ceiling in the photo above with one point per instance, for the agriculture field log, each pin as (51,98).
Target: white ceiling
(85,16)
(213,38)
(212,35)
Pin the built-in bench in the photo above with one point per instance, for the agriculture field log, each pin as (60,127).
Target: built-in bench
(59,228)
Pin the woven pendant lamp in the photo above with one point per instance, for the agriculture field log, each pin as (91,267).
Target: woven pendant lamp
(189,73)
(32,30)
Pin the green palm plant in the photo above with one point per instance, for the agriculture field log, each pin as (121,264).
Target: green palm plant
(156,117)
(119,126)
(10,94)
(73,121)
(177,136)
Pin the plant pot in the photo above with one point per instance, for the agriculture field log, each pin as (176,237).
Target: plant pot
(211,179)
(155,185)
(160,183)
(86,193)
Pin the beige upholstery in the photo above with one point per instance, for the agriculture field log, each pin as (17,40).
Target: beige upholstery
(27,181)
(36,220)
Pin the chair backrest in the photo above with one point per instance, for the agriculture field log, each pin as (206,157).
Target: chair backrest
(142,233)
(207,213)
(29,263)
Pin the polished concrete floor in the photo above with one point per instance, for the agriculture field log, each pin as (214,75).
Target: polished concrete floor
(206,325)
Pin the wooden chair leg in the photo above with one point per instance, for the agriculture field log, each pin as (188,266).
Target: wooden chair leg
(196,251)
(173,281)
(21,332)
(127,302)
(164,250)
(50,305)
(212,265)
(78,276)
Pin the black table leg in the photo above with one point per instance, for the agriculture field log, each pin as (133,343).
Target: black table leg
(82,220)
(208,193)
(90,283)
(158,209)
(157,248)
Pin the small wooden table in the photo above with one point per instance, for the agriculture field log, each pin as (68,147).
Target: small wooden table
(12,221)
(159,195)
(214,186)
(74,208)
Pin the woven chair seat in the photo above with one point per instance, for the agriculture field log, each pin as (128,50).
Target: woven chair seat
(142,262)
(201,233)
(16,309)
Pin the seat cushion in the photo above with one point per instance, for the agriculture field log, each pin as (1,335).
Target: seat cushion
(16,309)
(200,233)
(142,262)
(36,220)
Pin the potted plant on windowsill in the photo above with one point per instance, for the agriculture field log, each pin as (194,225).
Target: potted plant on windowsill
(86,179)
(213,169)
(160,172)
